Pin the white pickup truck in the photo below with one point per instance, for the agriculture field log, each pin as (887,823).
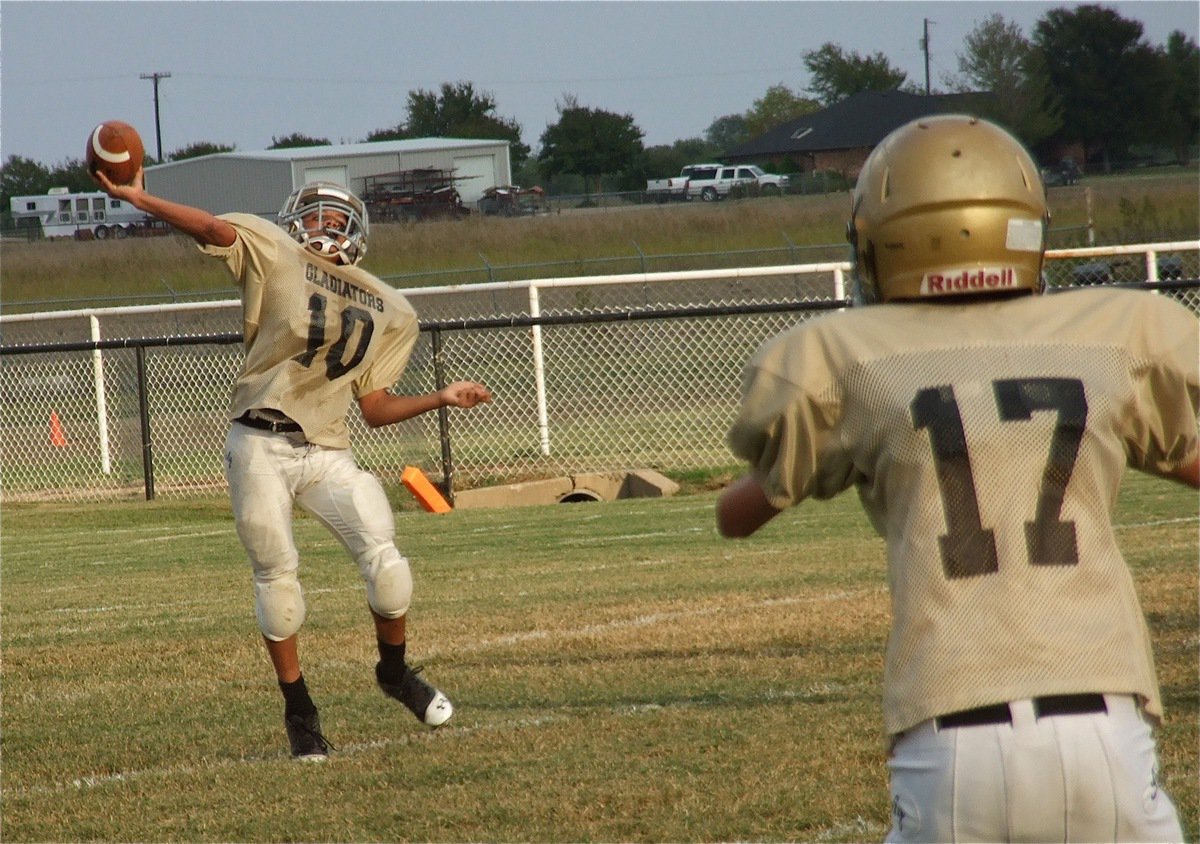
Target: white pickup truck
(711,182)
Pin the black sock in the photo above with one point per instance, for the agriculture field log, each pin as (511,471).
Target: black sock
(296,700)
(391,661)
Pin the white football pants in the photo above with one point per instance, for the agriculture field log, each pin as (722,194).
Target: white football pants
(268,473)
(1087,777)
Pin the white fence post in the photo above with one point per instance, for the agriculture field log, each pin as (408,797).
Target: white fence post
(539,372)
(839,283)
(101,401)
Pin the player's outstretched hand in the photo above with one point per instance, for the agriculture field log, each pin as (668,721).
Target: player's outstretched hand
(126,192)
(465,394)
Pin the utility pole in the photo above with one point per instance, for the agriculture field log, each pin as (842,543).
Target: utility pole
(158,127)
(925,48)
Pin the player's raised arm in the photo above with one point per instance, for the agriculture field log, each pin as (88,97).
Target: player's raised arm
(206,228)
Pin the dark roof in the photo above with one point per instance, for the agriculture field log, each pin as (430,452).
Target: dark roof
(857,122)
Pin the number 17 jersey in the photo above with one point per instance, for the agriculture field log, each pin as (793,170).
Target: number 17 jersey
(987,442)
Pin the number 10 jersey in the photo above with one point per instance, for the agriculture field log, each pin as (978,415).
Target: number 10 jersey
(317,335)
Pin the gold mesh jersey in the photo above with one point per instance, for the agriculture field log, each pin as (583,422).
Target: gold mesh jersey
(316,334)
(987,443)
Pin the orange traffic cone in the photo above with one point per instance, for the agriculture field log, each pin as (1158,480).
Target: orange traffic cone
(424,491)
(57,437)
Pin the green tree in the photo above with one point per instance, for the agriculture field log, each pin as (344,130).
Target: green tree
(778,105)
(663,161)
(589,142)
(198,149)
(392,133)
(999,59)
(728,131)
(23,177)
(1105,75)
(74,176)
(837,74)
(297,140)
(459,111)
(1181,117)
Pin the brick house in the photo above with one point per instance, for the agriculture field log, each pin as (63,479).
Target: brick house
(839,138)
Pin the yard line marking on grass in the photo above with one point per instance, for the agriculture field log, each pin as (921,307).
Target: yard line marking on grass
(86,782)
(547,569)
(113,531)
(150,605)
(323,590)
(108,623)
(593,540)
(648,620)
(132,625)
(171,772)
(174,536)
(859,829)
(1158,522)
(159,534)
(86,610)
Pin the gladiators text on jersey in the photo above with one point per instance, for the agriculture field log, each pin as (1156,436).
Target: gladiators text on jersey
(340,287)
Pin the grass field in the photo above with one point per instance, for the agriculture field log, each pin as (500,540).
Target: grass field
(621,674)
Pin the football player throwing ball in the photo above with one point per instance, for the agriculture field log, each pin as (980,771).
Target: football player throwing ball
(320,333)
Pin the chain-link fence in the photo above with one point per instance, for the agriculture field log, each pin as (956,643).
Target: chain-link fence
(597,374)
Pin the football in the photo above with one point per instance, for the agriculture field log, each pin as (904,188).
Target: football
(116,148)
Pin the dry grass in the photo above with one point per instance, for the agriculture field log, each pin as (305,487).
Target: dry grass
(1123,209)
(155,266)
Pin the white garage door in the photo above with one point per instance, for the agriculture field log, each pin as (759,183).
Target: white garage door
(336,174)
(473,174)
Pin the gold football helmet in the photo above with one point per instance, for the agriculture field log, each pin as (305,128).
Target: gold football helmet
(305,216)
(947,205)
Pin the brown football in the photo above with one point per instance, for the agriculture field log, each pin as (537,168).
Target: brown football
(116,148)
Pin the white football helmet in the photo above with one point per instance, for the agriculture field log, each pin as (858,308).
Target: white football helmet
(947,205)
(323,234)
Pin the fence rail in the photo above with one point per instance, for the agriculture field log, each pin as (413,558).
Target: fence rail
(589,374)
(637,260)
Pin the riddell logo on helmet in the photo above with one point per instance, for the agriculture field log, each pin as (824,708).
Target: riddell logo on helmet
(968,281)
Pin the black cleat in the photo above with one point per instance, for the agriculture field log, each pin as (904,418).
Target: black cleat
(423,700)
(304,735)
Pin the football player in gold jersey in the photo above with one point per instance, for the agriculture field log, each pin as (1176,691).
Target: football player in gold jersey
(986,429)
(320,332)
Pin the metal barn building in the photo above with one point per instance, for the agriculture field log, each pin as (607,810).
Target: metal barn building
(258,182)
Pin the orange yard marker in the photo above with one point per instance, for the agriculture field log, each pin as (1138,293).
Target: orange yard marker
(57,437)
(423,490)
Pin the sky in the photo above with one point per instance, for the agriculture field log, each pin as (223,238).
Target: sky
(243,73)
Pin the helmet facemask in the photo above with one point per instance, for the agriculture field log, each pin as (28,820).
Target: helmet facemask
(947,205)
(328,220)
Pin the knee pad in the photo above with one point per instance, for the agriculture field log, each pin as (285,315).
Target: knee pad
(279,604)
(389,581)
